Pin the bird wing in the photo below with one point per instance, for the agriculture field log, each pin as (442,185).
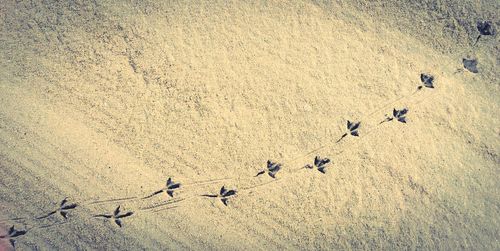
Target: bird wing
(355,133)
(222,190)
(169,181)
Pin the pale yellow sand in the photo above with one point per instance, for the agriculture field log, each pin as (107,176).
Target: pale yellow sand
(106,100)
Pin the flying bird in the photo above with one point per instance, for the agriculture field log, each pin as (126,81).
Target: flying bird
(485,28)
(169,189)
(399,115)
(224,195)
(63,209)
(272,169)
(13,233)
(352,127)
(116,216)
(320,163)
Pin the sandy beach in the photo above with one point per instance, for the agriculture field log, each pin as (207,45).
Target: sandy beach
(102,101)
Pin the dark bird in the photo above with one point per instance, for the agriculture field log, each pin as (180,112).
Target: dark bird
(116,216)
(169,189)
(352,127)
(63,209)
(224,195)
(13,233)
(399,115)
(272,169)
(427,81)
(485,28)
(470,65)
(319,163)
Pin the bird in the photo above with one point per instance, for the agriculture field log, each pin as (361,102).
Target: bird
(272,169)
(224,194)
(169,189)
(399,115)
(427,81)
(485,28)
(13,233)
(352,127)
(63,209)
(116,216)
(320,163)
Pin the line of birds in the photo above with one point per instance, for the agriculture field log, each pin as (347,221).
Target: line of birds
(485,28)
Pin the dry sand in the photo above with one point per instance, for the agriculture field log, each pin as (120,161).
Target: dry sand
(107,99)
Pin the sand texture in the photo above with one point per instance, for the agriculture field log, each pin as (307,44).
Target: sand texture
(102,101)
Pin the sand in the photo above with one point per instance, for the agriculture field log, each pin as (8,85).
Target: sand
(104,100)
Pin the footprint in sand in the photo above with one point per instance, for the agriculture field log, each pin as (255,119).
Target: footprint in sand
(224,195)
(319,163)
(399,115)
(352,128)
(12,234)
(470,65)
(169,189)
(63,209)
(272,169)
(485,28)
(116,216)
(427,81)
